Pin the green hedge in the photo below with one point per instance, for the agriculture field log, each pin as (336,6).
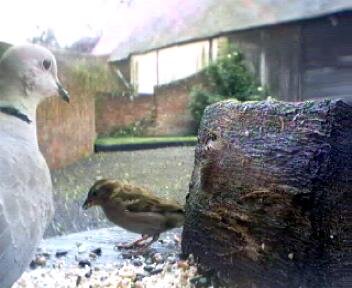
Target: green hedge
(227,77)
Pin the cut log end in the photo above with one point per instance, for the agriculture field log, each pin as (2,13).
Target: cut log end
(269,195)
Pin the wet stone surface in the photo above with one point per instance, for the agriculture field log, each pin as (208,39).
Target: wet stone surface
(98,247)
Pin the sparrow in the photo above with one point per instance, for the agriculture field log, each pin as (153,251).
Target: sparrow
(135,209)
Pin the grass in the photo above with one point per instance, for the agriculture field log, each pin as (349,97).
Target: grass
(144,140)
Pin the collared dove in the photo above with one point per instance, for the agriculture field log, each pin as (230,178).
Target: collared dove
(28,74)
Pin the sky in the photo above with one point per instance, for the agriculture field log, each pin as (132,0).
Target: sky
(69,19)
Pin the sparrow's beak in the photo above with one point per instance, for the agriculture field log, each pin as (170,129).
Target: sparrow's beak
(87,204)
(63,92)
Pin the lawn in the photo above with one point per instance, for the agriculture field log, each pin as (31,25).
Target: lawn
(144,140)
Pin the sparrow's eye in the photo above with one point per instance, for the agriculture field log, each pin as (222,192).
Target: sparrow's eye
(46,64)
(94,193)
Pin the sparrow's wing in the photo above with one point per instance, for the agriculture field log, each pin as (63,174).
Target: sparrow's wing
(139,202)
(153,206)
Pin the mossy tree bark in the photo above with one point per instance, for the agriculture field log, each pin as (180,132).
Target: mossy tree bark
(270,202)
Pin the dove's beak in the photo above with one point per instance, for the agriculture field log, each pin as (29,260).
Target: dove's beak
(63,92)
(87,204)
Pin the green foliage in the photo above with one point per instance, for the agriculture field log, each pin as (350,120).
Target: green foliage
(46,38)
(95,77)
(137,128)
(3,47)
(200,99)
(144,140)
(227,77)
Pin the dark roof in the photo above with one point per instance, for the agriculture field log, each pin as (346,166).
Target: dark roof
(147,25)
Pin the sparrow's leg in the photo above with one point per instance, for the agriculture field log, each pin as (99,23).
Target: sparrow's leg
(155,238)
(134,244)
(144,246)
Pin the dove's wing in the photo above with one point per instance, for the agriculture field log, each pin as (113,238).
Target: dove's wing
(25,201)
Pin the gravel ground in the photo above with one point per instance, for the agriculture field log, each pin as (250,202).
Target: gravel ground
(88,259)
(165,171)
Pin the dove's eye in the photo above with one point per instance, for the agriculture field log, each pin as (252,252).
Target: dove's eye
(46,64)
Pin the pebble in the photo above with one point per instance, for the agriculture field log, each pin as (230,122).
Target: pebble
(156,271)
(103,278)
(126,255)
(177,239)
(137,262)
(32,265)
(148,268)
(199,281)
(171,259)
(78,281)
(191,259)
(39,260)
(138,284)
(97,251)
(81,249)
(46,255)
(92,256)
(140,276)
(127,272)
(59,254)
(89,273)
(182,264)
(84,263)
(158,258)
(148,261)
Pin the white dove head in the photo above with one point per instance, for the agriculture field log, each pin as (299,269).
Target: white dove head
(29,72)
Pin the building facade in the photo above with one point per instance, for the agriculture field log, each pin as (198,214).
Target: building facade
(296,61)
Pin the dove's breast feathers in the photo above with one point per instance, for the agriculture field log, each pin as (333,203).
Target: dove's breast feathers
(25,203)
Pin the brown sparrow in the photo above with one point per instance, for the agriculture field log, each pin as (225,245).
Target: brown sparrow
(135,209)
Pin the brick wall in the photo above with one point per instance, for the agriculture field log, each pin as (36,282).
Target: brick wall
(168,107)
(66,132)
(172,114)
(113,112)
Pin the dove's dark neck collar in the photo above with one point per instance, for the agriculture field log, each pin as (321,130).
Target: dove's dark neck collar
(16,113)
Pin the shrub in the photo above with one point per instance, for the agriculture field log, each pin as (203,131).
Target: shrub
(200,99)
(3,47)
(227,77)
(94,76)
(135,129)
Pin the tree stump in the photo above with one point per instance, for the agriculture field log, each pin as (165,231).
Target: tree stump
(270,200)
